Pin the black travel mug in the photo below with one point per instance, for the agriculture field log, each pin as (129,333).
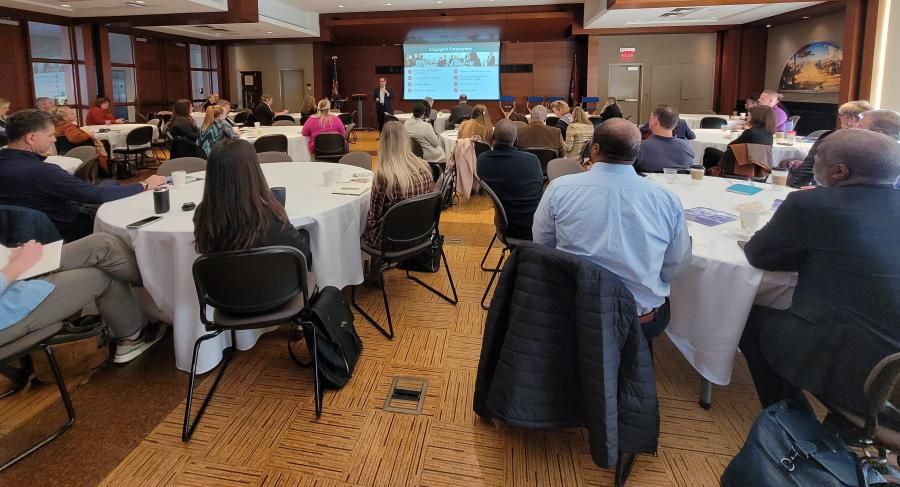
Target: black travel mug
(161,200)
(280,193)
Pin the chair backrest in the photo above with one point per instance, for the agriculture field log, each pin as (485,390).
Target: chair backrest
(501,222)
(241,117)
(390,118)
(156,123)
(251,281)
(346,118)
(267,157)
(303,119)
(411,222)
(85,152)
(271,143)
(282,123)
(586,150)
(286,118)
(19,224)
(881,385)
(139,136)
(816,135)
(596,121)
(358,159)
(544,155)
(552,120)
(561,167)
(480,147)
(329,145)
(416,147)
(712,122)
(188,164)
(349,128)
(140,118)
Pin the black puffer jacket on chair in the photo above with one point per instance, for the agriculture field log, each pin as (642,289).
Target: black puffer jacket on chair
(563,348)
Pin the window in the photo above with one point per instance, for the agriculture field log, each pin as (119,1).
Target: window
(58,67)
(204,71)
(124,89)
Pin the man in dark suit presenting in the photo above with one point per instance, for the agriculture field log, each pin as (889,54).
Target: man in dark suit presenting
(384,100)
(840,240)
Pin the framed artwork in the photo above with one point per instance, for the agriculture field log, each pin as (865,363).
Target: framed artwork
(814,68)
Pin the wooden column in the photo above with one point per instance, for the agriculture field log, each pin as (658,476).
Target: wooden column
(860,22)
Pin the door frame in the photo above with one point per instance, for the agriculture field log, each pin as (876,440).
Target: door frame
(281,84)
(241,86)
(640,99)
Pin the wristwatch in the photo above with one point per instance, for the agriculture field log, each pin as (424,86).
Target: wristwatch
(145,185)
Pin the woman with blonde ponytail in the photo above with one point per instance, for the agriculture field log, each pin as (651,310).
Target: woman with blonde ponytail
(323,123)
(214,129)
(400,175)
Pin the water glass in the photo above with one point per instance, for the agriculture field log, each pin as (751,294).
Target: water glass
(671,175)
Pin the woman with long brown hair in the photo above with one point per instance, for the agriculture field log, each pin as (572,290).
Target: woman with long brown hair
(480,125)
(214,129)
(238,210)
(760,130)
(183,131)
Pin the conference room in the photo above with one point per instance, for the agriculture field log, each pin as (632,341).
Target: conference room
(449,242)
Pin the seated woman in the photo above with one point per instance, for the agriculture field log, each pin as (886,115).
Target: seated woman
(560,110)
(610,109)
(400,175)
(4,109)
(69,136)
(238,210)
(579,133)
(480,125)
(308,108)
(99,113)
(183,131)
(323,123)
(761,129)
(214,129)
(263,112)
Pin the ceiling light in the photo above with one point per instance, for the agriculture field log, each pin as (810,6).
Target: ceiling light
(140,1)
(768,25)
(269,32)
(135,4)
(66,5)
(388,4)
(806,16)
(439,1)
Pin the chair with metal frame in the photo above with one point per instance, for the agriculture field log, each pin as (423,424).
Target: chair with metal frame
(269,157)
(407,229)
(187,164)
(346,118)
(544,155)
(241,117)
(271,143)
(416,148)
(712,122)
(358,159)
(137,141)
(329,147)
(250,289)
(282,123)
(480,146)
(286,118)
(501,225)
(563,166)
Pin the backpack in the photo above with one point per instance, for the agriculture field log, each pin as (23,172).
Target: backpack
(338,344)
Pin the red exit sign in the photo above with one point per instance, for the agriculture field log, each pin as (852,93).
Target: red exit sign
(627,52)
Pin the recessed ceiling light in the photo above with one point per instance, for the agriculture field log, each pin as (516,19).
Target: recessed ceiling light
(65,5)
(768,25)
(439,1)
(806,16)
(140,1)
(268,32)
(135,4)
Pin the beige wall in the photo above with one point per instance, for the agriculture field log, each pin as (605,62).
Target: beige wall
(270,59)
(650,49)
(785,40)
(886,75)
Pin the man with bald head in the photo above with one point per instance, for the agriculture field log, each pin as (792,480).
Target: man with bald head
(841,240)
(515,176)
(620,221)
(885,122)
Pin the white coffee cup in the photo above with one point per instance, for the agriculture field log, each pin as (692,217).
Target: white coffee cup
(697,173)
(779,177)
(257,124)
(179,178)
(751,215)
(331,176)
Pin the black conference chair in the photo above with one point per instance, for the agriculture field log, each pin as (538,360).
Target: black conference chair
(287,118)
(346,118)
(137,142)
(596,121)
(271,143)
(544,155)
(250,289)
(268,157)
(241,117)
(329,147)
(552,121)
(303,119)
(416,148)
(481,147)
(407,229)
(501,225)
(712,122)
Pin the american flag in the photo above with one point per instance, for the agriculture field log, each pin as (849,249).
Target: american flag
(335,86)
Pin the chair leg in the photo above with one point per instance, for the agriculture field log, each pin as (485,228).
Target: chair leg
(623,467)
(486,252)
(189,426)
(389,333)
(296,359)
(494,273)
(18,376)
(67,402)
(315,361)
(455,298)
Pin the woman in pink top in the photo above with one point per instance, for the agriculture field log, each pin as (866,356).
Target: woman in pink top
(323,123)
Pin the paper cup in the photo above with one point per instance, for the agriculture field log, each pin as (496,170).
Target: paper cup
(750,218)
(179,178)
(779,177)
(331,176)
(257,124)
(697,173)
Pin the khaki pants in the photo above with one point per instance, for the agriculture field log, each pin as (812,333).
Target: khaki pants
(98,268)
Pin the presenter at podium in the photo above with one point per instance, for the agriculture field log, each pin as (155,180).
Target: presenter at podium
(384,100)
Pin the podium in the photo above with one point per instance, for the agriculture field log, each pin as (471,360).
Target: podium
(360,98)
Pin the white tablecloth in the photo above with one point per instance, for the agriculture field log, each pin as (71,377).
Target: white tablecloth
(440,123)
(717,138)
(117,133)
(165,251)
(693,119)
(69,164)
(712,299)
(448,139)
(298,145)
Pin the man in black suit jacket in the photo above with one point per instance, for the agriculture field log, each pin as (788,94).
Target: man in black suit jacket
(515,176)
(460,112)
(845,314)
(383,95)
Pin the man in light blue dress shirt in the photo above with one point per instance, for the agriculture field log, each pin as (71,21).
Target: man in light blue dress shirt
(615,218)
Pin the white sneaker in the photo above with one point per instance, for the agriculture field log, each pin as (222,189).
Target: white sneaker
(128,350)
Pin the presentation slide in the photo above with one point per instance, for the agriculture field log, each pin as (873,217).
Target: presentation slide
(445,71)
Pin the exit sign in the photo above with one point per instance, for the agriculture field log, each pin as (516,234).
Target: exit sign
(627,52)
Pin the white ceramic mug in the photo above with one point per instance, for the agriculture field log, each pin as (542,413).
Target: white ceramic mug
(257,124)
(179,178)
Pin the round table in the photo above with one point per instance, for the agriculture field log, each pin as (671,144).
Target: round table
(693,120)
(298,144)
(448,140)
(712,298)
(440,123)
(165,251)
(68,164)
(718,139)
(117,133)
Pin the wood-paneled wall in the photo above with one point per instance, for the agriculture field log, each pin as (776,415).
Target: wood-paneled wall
(15,84)
(162,73)
(741,65)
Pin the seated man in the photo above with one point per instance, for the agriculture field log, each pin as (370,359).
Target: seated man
(538,134)
(95,268)
(843,318)
(885,122)
(663,150)
(423,133)
(682,131)
(26,180)
(612,216)
(515,176)
(770,98)
(460,112)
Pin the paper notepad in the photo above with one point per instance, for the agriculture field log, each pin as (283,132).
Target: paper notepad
(49,261)
(354,189)
(743,189)
(708,216)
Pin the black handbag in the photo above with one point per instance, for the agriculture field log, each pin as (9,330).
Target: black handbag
(787,446)
(428,260)
(338,345)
